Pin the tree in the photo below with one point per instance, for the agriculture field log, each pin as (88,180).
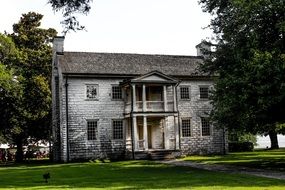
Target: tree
(249,60)
(10,89)
(69,9)
(33,43)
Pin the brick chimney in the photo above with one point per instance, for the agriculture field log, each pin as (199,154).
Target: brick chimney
(203,48)
(58,42)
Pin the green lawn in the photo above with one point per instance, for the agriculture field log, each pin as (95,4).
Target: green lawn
(265,159)
(127,175)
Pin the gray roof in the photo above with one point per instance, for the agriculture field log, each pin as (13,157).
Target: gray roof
(128,64)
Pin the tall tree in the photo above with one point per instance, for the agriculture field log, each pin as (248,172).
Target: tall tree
(250,63)
(34,44)
(10,89)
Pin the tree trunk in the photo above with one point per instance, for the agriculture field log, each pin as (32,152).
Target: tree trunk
(19,153)
(273,140)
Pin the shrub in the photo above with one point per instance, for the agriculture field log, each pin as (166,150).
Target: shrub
(240,146)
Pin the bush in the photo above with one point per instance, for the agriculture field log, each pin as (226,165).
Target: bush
(240,146)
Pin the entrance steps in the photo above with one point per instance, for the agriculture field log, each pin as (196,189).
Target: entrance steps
(157,154)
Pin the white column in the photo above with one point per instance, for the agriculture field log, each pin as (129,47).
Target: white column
(134,97)
(143,98)
(164,98)
(145,132)
(136,137)
(174,99)
(176,132)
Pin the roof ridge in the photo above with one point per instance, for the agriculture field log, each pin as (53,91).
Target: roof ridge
(138,54)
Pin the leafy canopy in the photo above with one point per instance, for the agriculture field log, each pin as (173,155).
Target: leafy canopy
(250,63)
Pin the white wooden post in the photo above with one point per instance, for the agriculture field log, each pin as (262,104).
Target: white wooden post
(145,133)
(136,137)
(174,99)
(164,98)
(134,97)
(143,98)
(176,132)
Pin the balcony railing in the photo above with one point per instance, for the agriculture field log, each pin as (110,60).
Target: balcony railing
(153,106)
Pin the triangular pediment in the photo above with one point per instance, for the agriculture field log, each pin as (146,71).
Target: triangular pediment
(155,76)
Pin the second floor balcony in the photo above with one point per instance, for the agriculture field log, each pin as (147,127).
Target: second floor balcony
(151,93)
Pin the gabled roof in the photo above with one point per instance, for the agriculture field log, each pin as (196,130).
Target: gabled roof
(154,77)
(128,64)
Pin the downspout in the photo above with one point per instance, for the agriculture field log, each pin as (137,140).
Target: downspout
(132,133)
(66,112)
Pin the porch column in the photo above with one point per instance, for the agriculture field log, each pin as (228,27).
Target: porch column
(135,133)
(143,98)
(176,125)
(145,133)
(164,98)
(134,97)
(174,99)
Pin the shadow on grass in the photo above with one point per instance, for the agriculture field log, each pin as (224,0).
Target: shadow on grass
(124,175)
(263,159)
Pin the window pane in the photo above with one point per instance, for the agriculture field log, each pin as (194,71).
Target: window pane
(91,130)
(205,126)
(184,92)
(91,91)
(117,129)
(116,92)
(186,128)
(204,92)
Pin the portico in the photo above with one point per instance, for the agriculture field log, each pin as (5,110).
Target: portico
(151,108)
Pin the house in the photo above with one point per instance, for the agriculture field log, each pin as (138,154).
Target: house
(130,106)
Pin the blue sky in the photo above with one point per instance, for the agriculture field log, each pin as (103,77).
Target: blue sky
(125,26)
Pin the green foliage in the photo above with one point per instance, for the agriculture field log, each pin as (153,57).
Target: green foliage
(127,175)
(11,89)
(249,94)
(25,76)
(69,10)
(242,137)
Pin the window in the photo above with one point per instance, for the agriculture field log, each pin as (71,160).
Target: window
(185,92)
(204,92)
(205,126)
(91,130)
(91,91)
(117,129)
(116,93)
(186,127)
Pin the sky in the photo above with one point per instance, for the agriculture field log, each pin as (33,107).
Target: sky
(171,27)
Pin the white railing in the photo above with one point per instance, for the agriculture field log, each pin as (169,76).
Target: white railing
(141,144)
(150,106)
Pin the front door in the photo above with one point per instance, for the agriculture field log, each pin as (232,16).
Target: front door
(155,137)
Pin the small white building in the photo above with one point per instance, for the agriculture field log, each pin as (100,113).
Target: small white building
(122,106)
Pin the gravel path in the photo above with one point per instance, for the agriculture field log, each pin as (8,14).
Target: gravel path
(228,169)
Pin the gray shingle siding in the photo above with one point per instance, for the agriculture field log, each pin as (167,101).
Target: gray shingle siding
(119,68)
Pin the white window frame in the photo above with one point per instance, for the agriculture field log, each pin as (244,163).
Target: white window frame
(204,86)
(190,126)
(113,129)
(210,127)
(112,97)
(97,91)
(189,91)
(94,138)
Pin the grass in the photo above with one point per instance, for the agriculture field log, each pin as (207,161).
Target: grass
(263,159)
(126,175)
